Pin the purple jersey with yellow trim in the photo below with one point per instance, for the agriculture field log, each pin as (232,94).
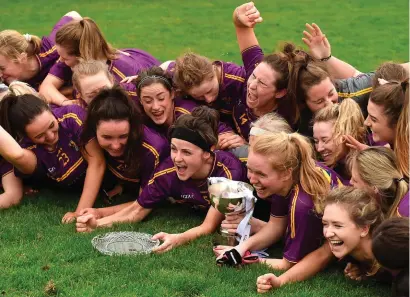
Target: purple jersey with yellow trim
(232,88)
(165,182)
(154,150)
(242,114)
(304,231)
(48,54)
(403,208)
(185,106)
(64,165)
(129,62)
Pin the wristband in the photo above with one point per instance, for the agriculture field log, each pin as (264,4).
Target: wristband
(325,59)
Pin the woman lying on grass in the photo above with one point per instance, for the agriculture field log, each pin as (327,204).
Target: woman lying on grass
(183,177)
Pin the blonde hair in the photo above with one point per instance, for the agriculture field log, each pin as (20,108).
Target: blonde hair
(401,141)
(362,208)
(18,88)
(347,119)
(378,168)
(191,70)
(293,151)
(83,38)
(88,68)
(13,44)
(272,122)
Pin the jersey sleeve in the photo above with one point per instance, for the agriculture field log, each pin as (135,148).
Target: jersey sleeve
(160,186)
(64,20)
(279,206)
(72,118)
(358,88)
(251,57)
(61,71)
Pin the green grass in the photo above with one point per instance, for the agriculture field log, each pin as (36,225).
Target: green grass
(35,248)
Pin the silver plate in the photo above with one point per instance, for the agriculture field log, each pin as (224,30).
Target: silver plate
(124,243)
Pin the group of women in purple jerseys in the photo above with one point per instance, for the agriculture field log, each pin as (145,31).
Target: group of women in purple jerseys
(325,146)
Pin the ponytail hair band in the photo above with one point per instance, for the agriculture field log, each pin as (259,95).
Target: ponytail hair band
(27,37)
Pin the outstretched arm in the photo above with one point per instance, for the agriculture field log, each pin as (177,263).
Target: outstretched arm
(49,89)
(93,178)
(320,49)
(245,17)
(13,190)
(212,220)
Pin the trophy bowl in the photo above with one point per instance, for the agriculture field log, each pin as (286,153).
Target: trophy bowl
(227,200)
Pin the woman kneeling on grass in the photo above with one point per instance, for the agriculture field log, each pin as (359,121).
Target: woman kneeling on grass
(50,146)
(183,177)
(281,168)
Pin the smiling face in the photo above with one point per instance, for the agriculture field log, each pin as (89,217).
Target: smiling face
(112,136)
(378,123)
(188,159)
(342,234)
(261,90)
(266,180)
(158,103)
(321,95)
(65,57)
(90,86)
(10,70)
(207,91)
(324,142)
(43,129)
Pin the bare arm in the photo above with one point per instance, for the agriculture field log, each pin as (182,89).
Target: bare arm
(267,235)
(130,213)
(24,160)
(94,175)
(212,220)
(245,17)
(13,191)
(49,89)
(320,49)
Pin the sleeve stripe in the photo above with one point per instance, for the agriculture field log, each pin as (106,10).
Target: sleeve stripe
(292,213)
(358,93)
(45,54)
(131,93)
(118,72)
(72,116)
(227,171)
(153,150)
(234,77)
(74,167)
(162,172)
(120,176)
(8,172)
(225,111)
(182,110)
(251,47)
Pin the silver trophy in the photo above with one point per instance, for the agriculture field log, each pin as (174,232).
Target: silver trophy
(228,196)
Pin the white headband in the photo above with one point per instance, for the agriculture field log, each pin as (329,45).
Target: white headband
(255,131)
(27,37)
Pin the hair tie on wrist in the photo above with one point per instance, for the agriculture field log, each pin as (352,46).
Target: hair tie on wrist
(325,59)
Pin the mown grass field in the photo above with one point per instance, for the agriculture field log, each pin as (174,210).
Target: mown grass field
(36,249)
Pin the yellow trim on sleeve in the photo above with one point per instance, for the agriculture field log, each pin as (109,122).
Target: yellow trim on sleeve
(358,93)
(162,172)
(120,176)
(153,151)
(182,110)
(72,116)
(118,72)
(227,171)
(45,54)
(234,77)
(69,171)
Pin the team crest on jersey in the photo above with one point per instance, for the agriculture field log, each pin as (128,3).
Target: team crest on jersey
(73,145)
(227,99)
(51,170)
